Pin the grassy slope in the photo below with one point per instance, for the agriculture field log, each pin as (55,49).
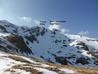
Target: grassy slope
(53,67)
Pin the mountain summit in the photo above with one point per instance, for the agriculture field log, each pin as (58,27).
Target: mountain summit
(48,45)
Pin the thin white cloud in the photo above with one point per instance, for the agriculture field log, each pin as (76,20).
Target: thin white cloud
(63,30)
(83,33)
(37,22)
(26,19)
(58,27)
(52,27)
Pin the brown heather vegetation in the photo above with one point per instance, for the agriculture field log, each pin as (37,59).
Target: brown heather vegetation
(29,67)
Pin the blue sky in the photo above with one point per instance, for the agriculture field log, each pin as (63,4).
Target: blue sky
(81,15)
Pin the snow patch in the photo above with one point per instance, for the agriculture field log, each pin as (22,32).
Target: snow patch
(45,71)
(67,70)
(4,34)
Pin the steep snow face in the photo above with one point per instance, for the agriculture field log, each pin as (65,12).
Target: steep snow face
(56,47)
(52,46)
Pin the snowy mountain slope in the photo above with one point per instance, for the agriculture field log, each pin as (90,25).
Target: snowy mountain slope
(91,42)
(49,45)
(7,27)
(15,64)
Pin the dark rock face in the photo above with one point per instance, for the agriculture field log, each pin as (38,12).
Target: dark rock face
(3,29)
(61,60)
(96,62)
(83,45)
(34,33)
(95,54)
(82,60)
(19,43)
(32,38)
